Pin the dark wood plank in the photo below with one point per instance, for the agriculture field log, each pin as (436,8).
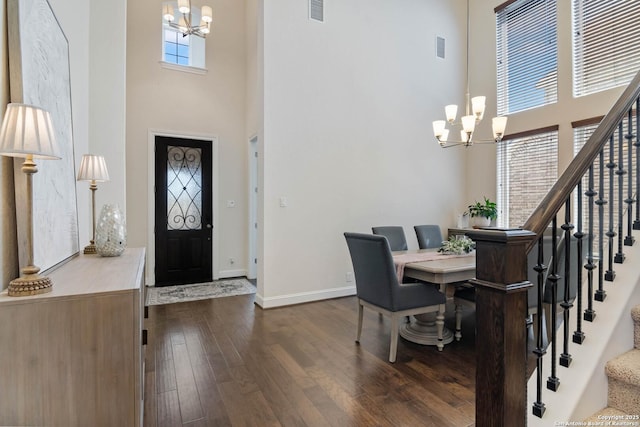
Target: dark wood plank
(226,362)
(190,409)
(168,409)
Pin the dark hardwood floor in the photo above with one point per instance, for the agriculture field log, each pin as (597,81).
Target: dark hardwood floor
(226,362)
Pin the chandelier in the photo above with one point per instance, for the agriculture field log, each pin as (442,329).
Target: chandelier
(185,23)
(473,115)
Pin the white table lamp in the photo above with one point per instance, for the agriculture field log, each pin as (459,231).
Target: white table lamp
(27,132)
(93,169)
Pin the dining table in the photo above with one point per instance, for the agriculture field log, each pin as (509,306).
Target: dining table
(429,265)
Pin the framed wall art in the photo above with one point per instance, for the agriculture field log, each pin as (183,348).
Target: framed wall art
(39,75)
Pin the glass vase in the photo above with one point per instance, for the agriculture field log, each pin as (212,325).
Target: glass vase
(111,231)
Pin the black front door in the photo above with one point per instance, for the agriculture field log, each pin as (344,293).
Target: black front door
(183,220)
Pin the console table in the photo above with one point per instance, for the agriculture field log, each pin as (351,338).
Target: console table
(458,231)
(74,356)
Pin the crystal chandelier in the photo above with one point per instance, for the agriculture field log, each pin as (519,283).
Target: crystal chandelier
(474,113)
(185,23)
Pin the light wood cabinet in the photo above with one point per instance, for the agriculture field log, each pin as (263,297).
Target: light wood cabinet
(74,356)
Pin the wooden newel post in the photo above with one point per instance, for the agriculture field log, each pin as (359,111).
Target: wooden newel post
(501,335)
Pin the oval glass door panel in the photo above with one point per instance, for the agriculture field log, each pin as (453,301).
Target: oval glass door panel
(184,188)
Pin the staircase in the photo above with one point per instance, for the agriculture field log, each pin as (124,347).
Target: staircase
(587,384)
(623,372)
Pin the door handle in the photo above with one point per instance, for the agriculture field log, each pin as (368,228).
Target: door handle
(209,226)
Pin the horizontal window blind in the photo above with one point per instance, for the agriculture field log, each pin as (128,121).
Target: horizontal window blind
(581,135)
(606,44)
(527,55)
(527,168)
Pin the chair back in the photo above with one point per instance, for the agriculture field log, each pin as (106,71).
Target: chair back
(373,267)
(575,263)
(395,236)
(429,236)
(532,261)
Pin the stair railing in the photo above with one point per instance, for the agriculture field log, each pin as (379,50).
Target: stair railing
(501,266)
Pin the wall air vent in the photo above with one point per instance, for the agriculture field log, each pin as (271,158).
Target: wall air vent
(316,10)
(440,47)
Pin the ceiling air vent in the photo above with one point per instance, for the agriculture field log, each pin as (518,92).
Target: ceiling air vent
(440,47)
(316,10)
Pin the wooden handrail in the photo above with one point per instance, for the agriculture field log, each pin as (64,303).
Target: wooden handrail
(502,281)
(557,196)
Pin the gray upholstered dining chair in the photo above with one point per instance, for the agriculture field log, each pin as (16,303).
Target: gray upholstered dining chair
(395,236)
(378,288)
(429,236)
(466,297)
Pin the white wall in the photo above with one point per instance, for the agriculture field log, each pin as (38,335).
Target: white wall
(96,34)
(210,104)
(94,103)
(348,106)
(73,17)
(481,161)
(107,96)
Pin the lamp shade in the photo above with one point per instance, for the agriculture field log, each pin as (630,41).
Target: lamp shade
(477,105)
(93,168)
(468,123)
(27,130)
(451,111)
(167,13)
(207,14)
(499,125)
(184,6)
(204,27)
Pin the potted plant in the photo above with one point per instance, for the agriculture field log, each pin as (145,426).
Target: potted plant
(483,212)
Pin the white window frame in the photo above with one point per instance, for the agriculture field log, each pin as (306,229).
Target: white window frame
(197,48)
(527,55)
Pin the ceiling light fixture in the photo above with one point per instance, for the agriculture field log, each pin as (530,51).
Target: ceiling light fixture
(474,113)
(185,23)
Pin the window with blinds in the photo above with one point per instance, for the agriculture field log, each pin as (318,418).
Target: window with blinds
(606,44)
(527,168)
(527,55)
(581,134)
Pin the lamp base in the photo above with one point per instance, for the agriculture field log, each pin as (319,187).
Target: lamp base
(90,249)
(32,284)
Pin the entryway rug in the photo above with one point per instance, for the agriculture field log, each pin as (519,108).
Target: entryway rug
(181,293)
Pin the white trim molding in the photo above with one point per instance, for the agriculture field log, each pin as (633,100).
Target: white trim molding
(227,274)
(302,297)
(183,68)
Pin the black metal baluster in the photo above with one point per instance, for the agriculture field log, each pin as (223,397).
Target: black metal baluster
(636,223)
(600,294)
(565,357)
(540,350)
(553,382)
(610,274)
(619,258)
(629,240)
(578,334)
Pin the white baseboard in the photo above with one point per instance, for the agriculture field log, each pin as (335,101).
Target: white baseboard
(225,274)
(302,297)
